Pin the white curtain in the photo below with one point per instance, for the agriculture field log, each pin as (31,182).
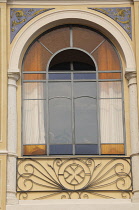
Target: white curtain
(111,119)
(33,113)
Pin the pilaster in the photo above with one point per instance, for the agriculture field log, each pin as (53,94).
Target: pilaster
(132,84)
(12,138)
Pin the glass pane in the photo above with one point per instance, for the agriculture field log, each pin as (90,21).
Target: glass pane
(85,120)
(63,149)
(37,149)
(110,90)
(59,76)
(109,75)
(59,66)
(84,76)
(83,66)
(34,90)
(107,58)
(79,60)
(36,58)
(34,76)
(56,39)
(60,131)
(112,149)
(33,122)
(111,121)
(86,39)
(84,149)
(59,89)
(85,89)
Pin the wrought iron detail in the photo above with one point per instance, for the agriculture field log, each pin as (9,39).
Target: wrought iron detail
(75,177)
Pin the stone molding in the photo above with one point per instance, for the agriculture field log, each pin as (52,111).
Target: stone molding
(13,75)
(130,75)
(95,204)
(68,2)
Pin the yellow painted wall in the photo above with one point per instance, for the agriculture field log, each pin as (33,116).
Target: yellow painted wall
(3,103)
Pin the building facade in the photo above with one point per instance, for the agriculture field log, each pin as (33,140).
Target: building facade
(69,104)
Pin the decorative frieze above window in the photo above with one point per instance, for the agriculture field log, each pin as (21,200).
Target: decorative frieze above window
(21,16)
(122,15)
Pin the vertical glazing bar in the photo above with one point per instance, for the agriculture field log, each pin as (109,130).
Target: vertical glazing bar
(47,113)
(71,37)
(123,114)
(22,104)
(72,109)
(98,114)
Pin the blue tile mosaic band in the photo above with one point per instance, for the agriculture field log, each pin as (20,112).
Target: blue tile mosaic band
(20,16)
(122,15)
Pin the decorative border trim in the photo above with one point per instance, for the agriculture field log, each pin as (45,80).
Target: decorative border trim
(122,15)
(67,2)
(20,16)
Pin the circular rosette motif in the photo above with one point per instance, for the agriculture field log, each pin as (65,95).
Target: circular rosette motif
(74,174)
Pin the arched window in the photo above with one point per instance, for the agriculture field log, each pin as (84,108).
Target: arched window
(72,94)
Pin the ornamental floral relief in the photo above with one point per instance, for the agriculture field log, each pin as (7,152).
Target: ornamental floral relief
(74,178)
(122,15)
(20,16)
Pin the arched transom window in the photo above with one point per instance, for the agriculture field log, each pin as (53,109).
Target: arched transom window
(72,94)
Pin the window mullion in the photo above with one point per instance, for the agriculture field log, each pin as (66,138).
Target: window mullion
(72,109)
(98,115)
(71,37)
(47,113)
